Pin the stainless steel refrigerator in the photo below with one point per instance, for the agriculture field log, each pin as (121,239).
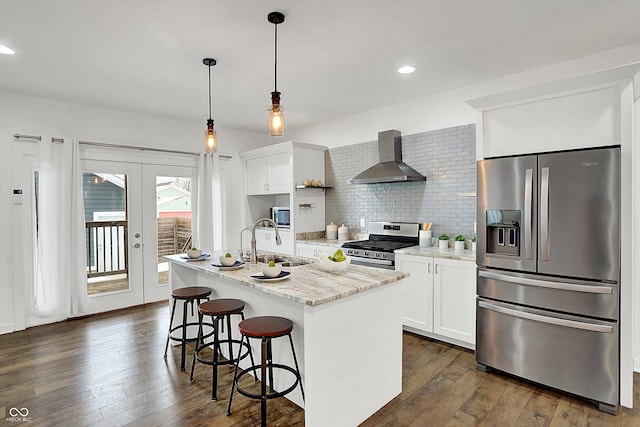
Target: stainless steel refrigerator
(548,258)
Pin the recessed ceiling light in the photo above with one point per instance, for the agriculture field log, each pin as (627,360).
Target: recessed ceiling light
(406,69)
(6,51)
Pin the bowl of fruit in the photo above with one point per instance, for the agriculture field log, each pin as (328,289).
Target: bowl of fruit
(194,253)
(271,270)
(227,259)
(335,263)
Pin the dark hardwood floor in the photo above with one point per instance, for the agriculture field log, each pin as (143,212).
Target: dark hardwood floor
(108,369)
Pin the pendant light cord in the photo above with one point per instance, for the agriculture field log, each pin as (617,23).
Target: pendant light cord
(209,92)
(275,60)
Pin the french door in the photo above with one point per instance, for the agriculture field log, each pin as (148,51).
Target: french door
(134,214)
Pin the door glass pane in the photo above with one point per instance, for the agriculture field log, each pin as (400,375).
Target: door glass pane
(173,207)
(105,212)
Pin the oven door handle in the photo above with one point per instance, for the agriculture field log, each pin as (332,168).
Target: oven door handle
(371,260)
(546,319)
(547,284)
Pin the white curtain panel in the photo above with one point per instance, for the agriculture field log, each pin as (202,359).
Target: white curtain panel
(60,258)
(207,229)
(78,258)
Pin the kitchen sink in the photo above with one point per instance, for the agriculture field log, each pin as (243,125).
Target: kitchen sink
(285,261)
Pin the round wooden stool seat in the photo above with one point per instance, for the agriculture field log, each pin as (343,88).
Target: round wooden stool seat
(191,292)
(266,327)
(222,307)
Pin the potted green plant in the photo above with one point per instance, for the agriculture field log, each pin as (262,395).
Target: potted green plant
(473,243)
(458,242)
(443,241)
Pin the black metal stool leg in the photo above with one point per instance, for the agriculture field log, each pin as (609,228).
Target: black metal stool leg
(263,380)
(235,373)
(229,337)
(184,335)
(216,349)
(253,363)
(295,361)
(197,346)
(270,364)
(173,311)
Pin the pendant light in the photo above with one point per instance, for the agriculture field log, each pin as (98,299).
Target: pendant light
(276,115)
(210,138)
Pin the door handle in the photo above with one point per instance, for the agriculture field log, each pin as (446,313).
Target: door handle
(544,213)
(547,283)
(528,195)
(546,319)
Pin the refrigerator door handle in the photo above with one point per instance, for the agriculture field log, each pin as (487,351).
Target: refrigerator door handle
(547,284)
(544,213)
(545,319)
(528,198)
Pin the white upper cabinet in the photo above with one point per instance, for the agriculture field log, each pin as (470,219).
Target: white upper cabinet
(590,110)
(268,174)
(271,174)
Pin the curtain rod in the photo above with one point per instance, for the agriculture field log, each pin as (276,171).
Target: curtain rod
(157,150)
(19,136)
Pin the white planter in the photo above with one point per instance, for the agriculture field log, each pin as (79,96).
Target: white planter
(443,244)
(458,245)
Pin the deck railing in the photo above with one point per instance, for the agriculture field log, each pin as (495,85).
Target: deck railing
(107,248)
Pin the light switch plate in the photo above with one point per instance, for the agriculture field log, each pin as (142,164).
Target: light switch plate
(17,197)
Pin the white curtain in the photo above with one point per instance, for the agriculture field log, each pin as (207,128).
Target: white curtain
(60,258)
(77,249)
(207,228)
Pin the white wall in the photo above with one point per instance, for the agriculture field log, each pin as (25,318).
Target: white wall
(49,118)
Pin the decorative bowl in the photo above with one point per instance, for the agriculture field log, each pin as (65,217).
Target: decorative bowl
(194,253)
(271,271)
(227,261)
(332,266)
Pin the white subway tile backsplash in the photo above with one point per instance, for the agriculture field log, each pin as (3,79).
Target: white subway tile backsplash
(446,157)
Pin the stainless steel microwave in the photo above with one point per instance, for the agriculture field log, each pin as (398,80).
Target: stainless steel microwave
(281,216)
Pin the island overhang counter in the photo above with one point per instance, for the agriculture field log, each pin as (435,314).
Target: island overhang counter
(347,331)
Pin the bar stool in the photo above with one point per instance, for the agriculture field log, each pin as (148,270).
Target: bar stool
(189,295)
(220,310)
(266,328)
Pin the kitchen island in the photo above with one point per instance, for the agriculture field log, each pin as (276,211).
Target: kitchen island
(347,331)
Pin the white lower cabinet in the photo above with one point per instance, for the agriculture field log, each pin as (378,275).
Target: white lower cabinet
(439,298)
(266,241)
(315,250)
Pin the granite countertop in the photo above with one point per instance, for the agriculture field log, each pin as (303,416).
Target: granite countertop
(434,251)
(308,284)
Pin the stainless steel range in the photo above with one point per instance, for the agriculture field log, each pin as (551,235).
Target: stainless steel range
(384,238)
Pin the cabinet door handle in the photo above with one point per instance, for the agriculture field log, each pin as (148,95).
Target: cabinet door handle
(429,268)
(436,267)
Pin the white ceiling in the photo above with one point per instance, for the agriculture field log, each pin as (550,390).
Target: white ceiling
(335,57)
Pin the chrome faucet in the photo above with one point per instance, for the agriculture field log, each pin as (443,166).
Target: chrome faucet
(242,255)
(254,256)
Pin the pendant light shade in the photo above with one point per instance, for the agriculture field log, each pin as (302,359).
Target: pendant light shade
(210,138)
(276,115)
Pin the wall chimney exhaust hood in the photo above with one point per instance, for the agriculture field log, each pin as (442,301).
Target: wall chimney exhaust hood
(390,167)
